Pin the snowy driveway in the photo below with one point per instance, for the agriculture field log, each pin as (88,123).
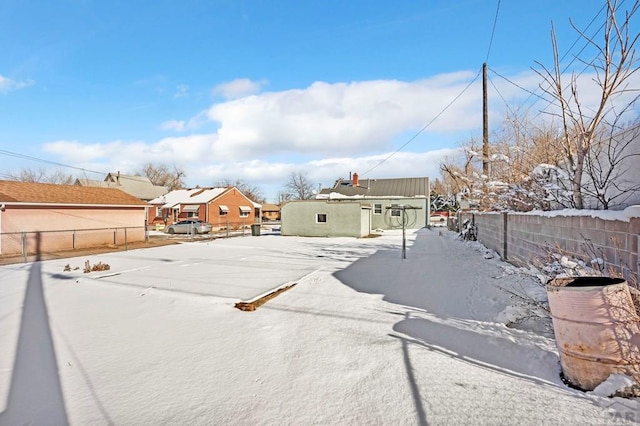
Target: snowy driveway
(363,338)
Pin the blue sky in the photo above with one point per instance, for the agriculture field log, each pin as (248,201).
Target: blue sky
(255,90)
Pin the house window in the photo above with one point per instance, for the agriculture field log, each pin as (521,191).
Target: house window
(159,211)
(321,218)
(223,209)
(191,210)
(377,209)
(244,211)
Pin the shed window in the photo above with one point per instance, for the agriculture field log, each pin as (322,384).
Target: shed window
(321,218)
(395,213)
(377,209)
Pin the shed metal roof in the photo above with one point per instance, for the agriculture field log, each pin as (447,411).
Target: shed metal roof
(397,187)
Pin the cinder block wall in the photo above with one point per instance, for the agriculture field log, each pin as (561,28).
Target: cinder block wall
(530,238)
(490,230)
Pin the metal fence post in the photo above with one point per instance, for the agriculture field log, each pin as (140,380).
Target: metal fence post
(73,240)
(24,246)
(227,228)
(126,247)
(505,221)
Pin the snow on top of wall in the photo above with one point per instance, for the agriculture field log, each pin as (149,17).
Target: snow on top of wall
(621,215)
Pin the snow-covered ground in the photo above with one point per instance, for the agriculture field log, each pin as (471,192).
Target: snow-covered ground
(364,337)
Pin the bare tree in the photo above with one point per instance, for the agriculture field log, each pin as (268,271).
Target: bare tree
(523,158)
(613,67)
(42,176)
(283,197)
(462,175)
(299,186)
(612,167)
(251,191)
(164,175)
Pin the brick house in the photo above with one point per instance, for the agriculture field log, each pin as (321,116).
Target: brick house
(66,217)
(222,207)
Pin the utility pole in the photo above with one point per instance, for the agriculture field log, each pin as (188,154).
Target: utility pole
(485,123)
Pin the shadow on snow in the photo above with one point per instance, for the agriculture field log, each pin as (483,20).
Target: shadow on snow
(35,395)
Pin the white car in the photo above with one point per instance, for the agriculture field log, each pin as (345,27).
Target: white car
(189,226)
(437,219)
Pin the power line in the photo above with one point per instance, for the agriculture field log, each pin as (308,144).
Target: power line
(518,86)
(41,160)
(411,139)
(495,21)
(580,37)
(566,67)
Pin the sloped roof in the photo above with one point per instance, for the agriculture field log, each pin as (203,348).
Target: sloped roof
(193,196)
(398,187)
(47,193)
(91,182)
(138,186)
(266,207)
(188,196)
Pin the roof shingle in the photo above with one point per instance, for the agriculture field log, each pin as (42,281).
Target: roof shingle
(47,193)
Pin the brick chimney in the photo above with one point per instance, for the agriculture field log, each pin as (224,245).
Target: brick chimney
(354,181)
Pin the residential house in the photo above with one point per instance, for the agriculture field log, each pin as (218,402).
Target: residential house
(66,217)
(224,208)
(342,209)
(138,186)
(270,212)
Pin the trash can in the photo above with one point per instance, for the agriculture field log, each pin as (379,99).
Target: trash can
(255,229)
(597,329)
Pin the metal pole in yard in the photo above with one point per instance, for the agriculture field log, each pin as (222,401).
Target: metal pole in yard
(227,228)
(126,247)
(404,239)
(73,240)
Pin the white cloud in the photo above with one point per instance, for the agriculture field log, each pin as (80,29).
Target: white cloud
(190,150)
(175,125)
(8,85)
(238,88)
(344,119)
(76,152)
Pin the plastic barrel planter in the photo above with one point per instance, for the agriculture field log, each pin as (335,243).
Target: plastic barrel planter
(596,327)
